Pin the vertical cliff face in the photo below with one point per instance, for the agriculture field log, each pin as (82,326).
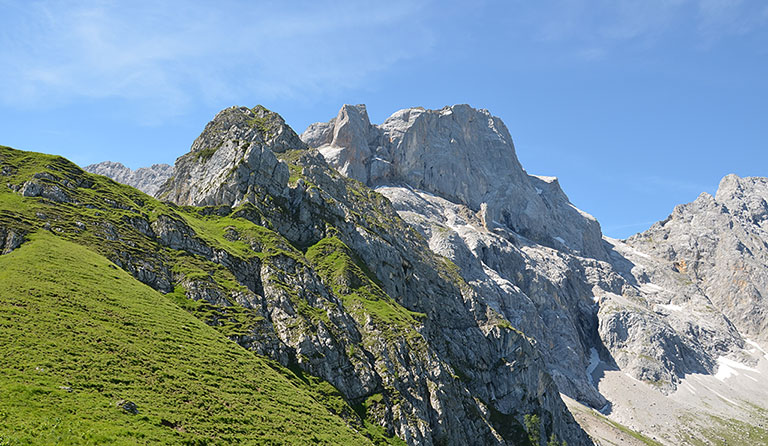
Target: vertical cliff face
(463,155)
(393,326)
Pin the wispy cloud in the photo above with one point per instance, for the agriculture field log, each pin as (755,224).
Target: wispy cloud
(175,52)
(594,27)
(728,17)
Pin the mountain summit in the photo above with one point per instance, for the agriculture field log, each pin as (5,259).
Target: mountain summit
(460,153)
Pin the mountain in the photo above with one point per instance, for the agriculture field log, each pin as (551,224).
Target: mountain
(414,282)
(446,367)
(145,179)
(398,348)
(679,303)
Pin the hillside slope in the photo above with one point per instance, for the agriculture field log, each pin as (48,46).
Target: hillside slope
(80,335)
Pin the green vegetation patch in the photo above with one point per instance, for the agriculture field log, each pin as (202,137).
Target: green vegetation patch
(351,280)
(264,120)
(79,335)
(375,432)
(206,154)
(229,320)
(239,236)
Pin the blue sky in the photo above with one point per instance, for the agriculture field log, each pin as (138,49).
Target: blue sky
(635,105)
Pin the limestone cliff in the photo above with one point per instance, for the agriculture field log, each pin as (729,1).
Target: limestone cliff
(463,155)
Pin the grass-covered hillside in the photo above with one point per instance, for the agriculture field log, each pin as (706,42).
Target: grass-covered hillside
(80,333)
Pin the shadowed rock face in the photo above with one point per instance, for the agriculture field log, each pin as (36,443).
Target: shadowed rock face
(145,179)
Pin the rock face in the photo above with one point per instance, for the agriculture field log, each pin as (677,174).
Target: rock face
(701,279)
(463,155)
(454,175)
(400,331)
(145,179)
(660,306)
(234,157)
(719,244)
(717,247)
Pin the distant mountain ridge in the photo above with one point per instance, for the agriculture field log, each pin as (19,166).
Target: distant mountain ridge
(145,179)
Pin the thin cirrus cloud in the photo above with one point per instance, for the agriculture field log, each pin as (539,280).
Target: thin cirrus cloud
(595,27)
(175,53)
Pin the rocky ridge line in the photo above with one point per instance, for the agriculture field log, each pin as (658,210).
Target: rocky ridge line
(145,179)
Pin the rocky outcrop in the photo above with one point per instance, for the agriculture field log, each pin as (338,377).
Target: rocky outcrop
(10,239)
(463,155)
(145,179)
(232,159)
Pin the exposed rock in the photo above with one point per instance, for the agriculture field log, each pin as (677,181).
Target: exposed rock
(128,407)
(232,159)
(34,188)
(463,155)
(145,179)
(719,247)
(668,303)
(10,239)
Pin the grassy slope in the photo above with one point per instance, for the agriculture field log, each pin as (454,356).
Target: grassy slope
(69,317)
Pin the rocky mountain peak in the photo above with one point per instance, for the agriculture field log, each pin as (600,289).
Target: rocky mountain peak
(745,196)
(233,157)
(247,125)
(464,155)
(720,241)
